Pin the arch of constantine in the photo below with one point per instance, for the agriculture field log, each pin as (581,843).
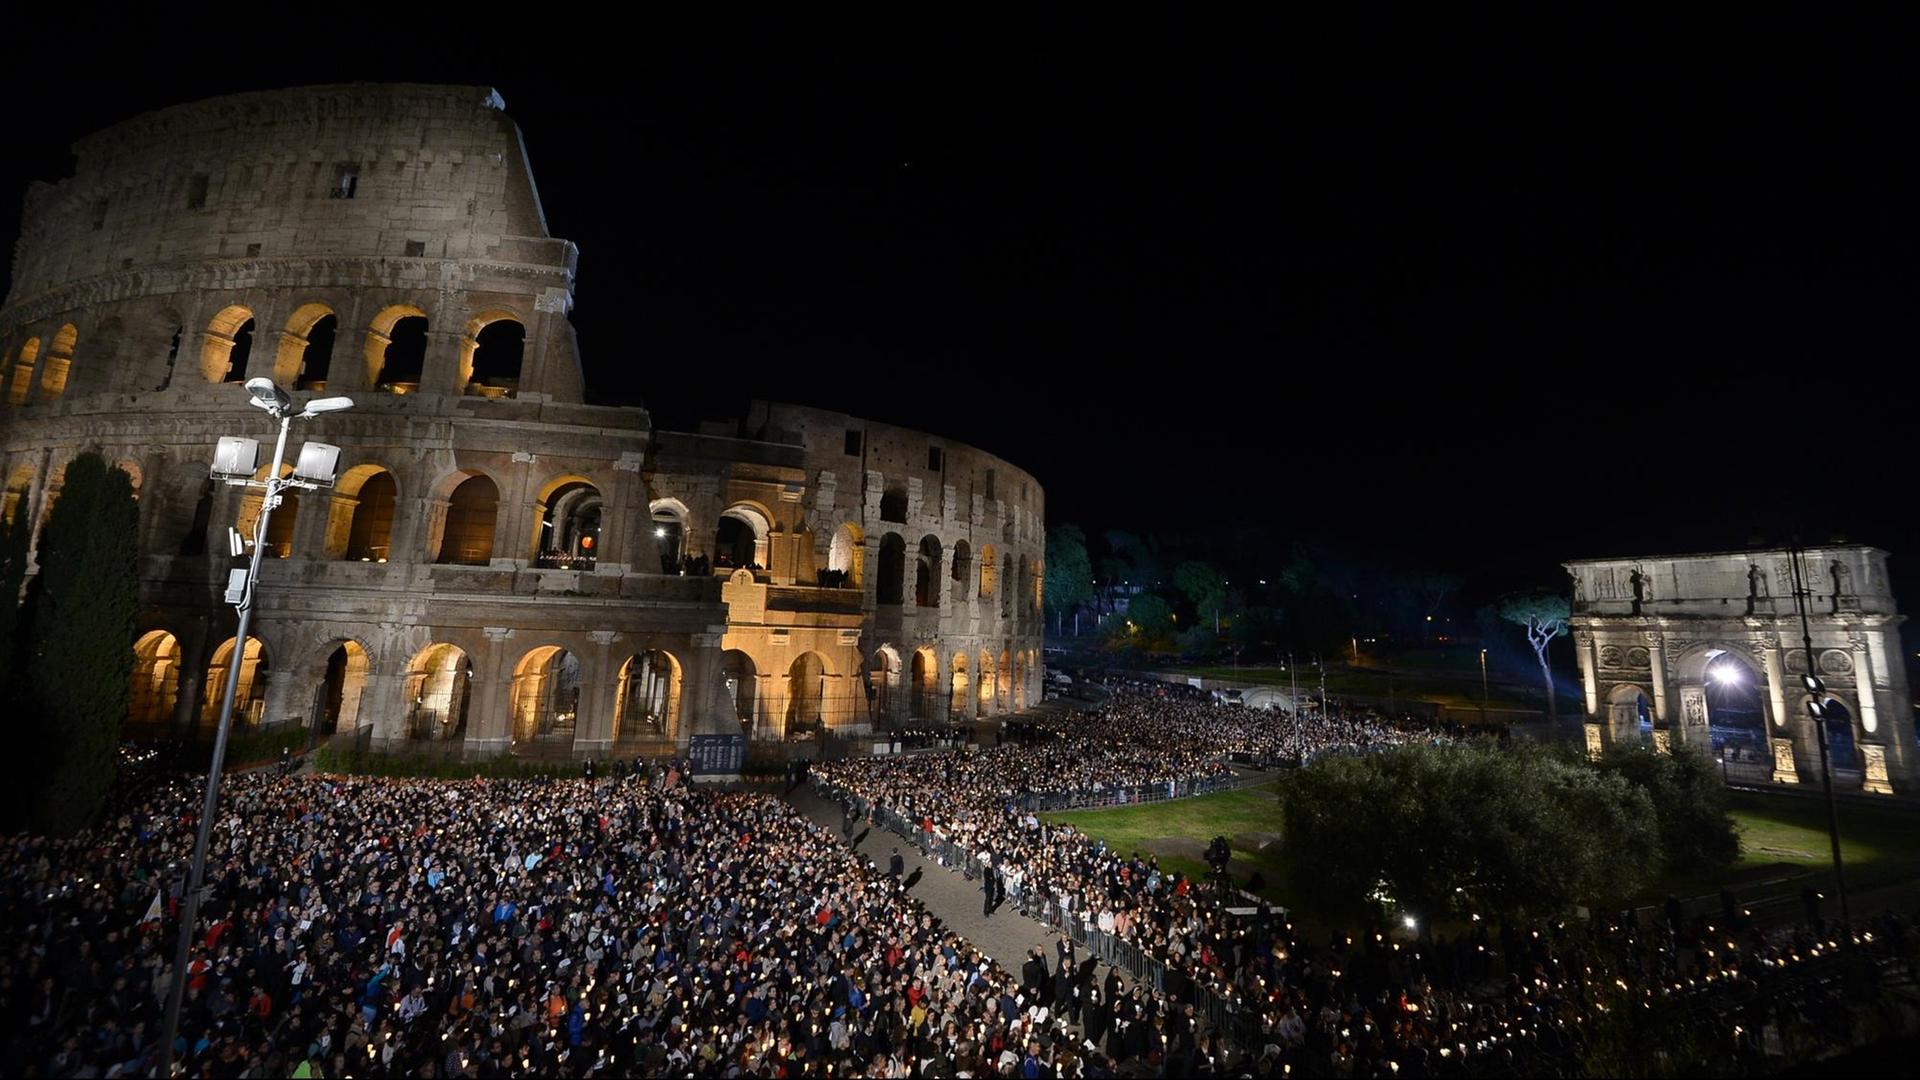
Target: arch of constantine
(1707,651)
(501,566)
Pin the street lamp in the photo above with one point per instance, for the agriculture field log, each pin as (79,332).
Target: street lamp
(1817,710)
(234,462)
(1483,688)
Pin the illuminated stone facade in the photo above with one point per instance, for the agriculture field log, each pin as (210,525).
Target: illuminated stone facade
(486,575)
(1651,636)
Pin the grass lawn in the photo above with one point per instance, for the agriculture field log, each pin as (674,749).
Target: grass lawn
(1179,831)
(1783,840)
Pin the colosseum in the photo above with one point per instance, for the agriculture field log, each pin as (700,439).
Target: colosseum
(501,567)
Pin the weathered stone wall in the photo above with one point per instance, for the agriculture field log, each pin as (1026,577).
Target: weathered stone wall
(134,283)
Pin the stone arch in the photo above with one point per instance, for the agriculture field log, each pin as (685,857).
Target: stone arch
(341,687)
(960,703)
(962,570)
(465,536)
(250,696)
(925,674)
(305,356)
(439,689)
(21,383)
(1009,585)
(1629,711)
(396,350)
(1003,692)
(986,678)
(741,534)
(566,523)
(179,334)
(806,693)
(847,555)
(926,573)
(1843,742)
(883,683)
(59,361)
(1020,669)
(360,514)
(19,493)
(741,679)
(545,696)
(154,684)
(989,572)
(1722,692)
(892,585)
(646,700)
(226,346)
(280,523)
(493,354)
(672,524)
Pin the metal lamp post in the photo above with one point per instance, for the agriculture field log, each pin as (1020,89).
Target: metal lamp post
(1483,687)
(234,463)
(1817,710)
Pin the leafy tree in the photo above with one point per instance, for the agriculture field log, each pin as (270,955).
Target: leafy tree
(1198,641)
(1069,576)
(1203,586)
(1448,830)
(1544,617)
(14,536)
(1150,620)
(1690,798)
(1138,559)
(79,657)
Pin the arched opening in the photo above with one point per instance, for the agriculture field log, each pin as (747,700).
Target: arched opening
(1019,681)
(546,695)
(567,530)
(250,697)
(893,505)
(1003,688)
(1736,718)
(278,543)
(396,350)
(338,704)
(1630,713)
(173,357)
(306,347)
(439,686)
(227,346)
(493,352)
(647,700)
(53,380)
(741,679)
(19,492)
(21,383)
(926,573)
(925,703)
(893,569)
(670,534)
(962,570)
(360,519)
(989,573)
(1841,751)
(846,558)
(883,684)
(989,685)
(741,539)
(472,508)
(960,704)
(154,686)
(195,540)
(1012,585)
(806,694)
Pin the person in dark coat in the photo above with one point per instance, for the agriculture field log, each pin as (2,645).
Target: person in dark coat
(1033,975)
(896,865)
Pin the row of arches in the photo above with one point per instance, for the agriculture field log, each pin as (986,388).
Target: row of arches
(966,686)
(544,694)
(392,356)
(52,363)
(1014,581)
(1730,695)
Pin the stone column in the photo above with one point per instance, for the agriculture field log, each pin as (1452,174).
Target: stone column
(1690,726)
(488,733)
(593,729)
(513,524)
(703,709)
(1583,651)
(1657,659)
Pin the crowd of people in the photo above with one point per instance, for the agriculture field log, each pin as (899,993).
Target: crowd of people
(631,924)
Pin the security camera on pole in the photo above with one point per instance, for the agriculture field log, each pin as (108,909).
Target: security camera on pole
(234,461)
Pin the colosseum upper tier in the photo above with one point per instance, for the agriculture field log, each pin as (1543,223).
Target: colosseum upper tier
(500,566)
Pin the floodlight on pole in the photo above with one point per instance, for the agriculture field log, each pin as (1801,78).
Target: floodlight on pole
(234,461)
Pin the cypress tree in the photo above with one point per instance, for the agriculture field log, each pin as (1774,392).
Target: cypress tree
(80,658)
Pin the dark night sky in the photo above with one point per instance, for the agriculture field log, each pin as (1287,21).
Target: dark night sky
(1467,294)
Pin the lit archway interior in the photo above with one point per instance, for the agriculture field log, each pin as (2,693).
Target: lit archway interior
(439,687)
(545,699)
(1736,719)
(155,682)
(741,680)
(341,689)
(250,697)
(806,693)
(647,700)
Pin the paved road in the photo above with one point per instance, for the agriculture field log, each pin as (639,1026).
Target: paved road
(1005,936)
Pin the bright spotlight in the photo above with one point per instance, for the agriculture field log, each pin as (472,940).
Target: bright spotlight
(1411,922)
(1726,674)
(266,395)
(660,534)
